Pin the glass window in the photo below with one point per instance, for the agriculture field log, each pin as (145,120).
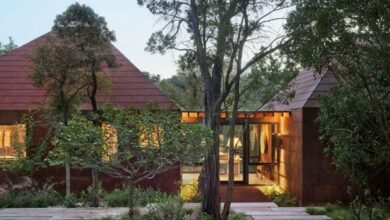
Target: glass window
(110,138)
(12,138)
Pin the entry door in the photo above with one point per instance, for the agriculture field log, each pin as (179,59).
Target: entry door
(238,153)
(262,153)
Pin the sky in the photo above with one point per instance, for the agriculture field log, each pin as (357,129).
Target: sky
(25,20)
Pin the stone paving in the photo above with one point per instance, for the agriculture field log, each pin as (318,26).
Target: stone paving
(255,211)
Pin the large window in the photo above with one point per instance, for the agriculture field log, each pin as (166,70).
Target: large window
(110,139)
(12,141)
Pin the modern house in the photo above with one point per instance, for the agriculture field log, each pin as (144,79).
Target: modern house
(278,144)
(18,95)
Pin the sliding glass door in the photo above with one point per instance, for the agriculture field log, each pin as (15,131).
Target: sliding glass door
(262,153)
(238,142)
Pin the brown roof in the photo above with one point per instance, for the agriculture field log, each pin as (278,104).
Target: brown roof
(130,87)
(307,88)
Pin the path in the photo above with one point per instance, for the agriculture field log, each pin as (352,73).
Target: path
(244,193)
(257,211)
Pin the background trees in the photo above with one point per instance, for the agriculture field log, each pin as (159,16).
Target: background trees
(215,36)
(352,40)
(6,48)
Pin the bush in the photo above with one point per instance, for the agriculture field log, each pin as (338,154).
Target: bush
(117,198)
(120,197)
(70,201)
(190,192)
(278,196)
(167,207)
(30,199)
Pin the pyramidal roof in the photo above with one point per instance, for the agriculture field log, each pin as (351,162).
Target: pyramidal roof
(307,88)
(129,88)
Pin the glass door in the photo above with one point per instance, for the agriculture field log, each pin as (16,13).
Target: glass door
(238,153)
(262,153)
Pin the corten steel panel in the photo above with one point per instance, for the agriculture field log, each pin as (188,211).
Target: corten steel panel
(81,180)
(321,183)
(289,169)
(130,87)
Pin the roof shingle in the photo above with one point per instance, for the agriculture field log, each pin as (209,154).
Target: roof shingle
(130,87)
(307,88)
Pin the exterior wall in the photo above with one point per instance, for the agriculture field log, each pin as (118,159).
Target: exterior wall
(321,183)
(288,172)
(81,179)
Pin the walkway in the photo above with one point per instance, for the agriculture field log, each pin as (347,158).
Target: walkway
(255,211)
(244,193)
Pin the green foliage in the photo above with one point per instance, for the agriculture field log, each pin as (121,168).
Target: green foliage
(167,207)
(76,142)
(153,141)
(351,39)
(70,201)
(6,48)
(30,199)
(279,196)
(119,197)
(338,212)
(267,78)
(29,154)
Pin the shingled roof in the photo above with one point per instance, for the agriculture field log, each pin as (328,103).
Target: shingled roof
(307,88)
(130,87)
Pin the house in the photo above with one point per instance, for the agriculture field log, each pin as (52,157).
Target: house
(18,95)
(279,144)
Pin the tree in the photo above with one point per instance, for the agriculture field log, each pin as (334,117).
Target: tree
(57,68)
(81,26)
(264,82)
(148,142)
(351,39)
(216,34)
(6,48)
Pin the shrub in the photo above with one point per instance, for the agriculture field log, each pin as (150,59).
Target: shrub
(168,207)
(120,197)
(70,201)
(278,196)
(190,192)
(30,199)
(117,198)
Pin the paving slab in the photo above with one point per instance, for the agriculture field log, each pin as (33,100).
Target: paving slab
(254,210)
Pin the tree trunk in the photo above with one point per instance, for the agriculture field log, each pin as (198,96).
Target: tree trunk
(95,173)
(209,177)
(95,188)
(232,124)
(67,178)
(131,203)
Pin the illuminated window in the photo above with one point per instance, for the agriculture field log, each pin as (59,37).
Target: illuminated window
(12,138)
(110,138)
(151,136)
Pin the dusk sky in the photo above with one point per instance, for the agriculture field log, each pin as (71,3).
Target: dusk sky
(25,20)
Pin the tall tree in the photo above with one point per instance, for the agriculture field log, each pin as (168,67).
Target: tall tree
(57,68)
(217,34)
(6,48)
(352,40)
(81,26)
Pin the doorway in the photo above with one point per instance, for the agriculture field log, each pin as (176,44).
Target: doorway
(255,153)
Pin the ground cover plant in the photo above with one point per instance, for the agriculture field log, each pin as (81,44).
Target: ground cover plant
(279,196)
(340,212)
